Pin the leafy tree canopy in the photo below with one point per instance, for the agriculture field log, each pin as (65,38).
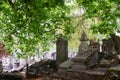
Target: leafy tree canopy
(25,23)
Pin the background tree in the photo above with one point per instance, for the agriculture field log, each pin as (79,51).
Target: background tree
(105,16)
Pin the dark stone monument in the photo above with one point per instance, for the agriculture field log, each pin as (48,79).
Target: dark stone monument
(110,54)
(62,50)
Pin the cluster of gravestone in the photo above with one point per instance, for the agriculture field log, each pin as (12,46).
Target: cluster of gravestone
(90,62)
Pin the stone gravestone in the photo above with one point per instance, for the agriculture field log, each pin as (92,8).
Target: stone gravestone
(81,56)
(110,54)
(62,50)
(53,55)
(84,44)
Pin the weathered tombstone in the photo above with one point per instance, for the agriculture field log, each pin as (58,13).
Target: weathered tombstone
(116,40)
(11,63)
(81,56)
(62,50)
(109,46)
(38,53)
(53,55)
(45,55)
(84,44)
(110,54)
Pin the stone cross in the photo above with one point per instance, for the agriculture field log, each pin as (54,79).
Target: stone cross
(61,50)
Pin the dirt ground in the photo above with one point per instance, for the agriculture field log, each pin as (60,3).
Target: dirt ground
(36,79)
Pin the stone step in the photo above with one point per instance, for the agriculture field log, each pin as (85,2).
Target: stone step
(79,68)
(98,71)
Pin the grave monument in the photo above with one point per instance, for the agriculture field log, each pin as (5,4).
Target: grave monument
(61,50)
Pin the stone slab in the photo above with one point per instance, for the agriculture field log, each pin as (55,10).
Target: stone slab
(66,64)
